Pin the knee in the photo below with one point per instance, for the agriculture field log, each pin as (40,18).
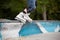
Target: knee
(30,9)
(33,8)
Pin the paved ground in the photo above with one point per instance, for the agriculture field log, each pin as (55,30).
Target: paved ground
(46,36)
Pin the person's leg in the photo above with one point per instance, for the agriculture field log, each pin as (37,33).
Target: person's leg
(31,5)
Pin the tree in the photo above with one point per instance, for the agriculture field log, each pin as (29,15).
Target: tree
(47,7)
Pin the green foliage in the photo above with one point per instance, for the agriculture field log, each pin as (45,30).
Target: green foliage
(10,8)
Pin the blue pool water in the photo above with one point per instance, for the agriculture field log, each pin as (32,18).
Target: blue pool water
(0,32)
(29,29)
(50,26)
(32,28)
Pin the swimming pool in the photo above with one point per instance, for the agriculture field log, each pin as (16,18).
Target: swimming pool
(32,28)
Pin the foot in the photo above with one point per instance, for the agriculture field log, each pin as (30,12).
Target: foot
(26,16)
(20,17)
(23,16)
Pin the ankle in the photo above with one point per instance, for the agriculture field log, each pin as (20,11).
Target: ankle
(24,12)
